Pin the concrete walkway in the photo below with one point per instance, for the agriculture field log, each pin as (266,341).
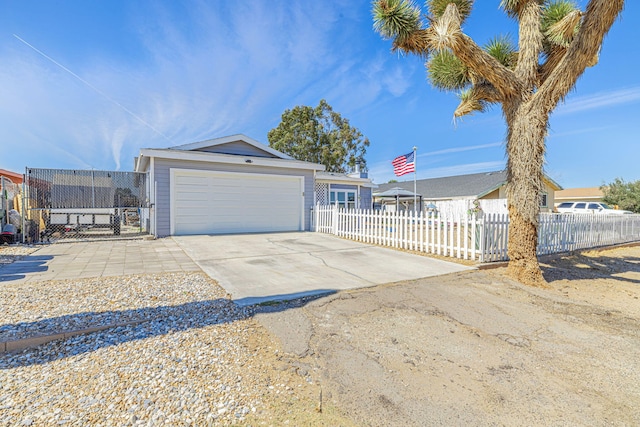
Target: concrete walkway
(98,259)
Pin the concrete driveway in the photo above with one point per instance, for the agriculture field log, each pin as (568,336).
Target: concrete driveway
(259,267)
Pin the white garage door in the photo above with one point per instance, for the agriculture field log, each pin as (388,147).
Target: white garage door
(205,202)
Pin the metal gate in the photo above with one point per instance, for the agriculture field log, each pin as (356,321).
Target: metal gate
(84,204)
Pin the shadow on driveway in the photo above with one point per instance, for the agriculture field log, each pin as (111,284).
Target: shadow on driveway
(24,265)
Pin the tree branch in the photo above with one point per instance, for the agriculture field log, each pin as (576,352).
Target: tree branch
(598,19)
(447,33)
(477,99)
(530,43)
(553,59)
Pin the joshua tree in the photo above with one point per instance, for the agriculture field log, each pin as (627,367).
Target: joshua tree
(557,42)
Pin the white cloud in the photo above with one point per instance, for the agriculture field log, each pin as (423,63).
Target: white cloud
(383,173)
(225,68)
(600,100)
(461,149)
(578,131)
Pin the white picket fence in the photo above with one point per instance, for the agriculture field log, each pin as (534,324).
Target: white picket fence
(461,207)
(482,238)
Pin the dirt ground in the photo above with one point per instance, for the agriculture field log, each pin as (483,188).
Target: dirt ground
(471,348)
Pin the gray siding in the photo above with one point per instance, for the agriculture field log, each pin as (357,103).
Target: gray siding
(365,198)
(239,148)
(162,167)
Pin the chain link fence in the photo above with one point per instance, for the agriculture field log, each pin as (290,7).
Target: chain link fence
(10,210)
(84,204)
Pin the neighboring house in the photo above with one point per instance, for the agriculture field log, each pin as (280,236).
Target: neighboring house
(481,186)
(590,194)
(14,177)
(235,184)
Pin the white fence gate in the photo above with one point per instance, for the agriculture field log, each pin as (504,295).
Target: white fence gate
(482,238)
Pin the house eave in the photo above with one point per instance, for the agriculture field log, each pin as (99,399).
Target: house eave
(324,178)
(142,164)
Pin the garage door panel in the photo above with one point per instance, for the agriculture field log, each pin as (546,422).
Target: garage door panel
(206,202)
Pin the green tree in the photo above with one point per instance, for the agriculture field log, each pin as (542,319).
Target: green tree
(557,42)
(625,195)
(319,135)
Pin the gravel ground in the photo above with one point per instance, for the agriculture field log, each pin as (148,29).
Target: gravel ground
(11,253)
(194,359)
(31,309)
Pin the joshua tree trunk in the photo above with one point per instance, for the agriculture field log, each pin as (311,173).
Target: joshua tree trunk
(525,151)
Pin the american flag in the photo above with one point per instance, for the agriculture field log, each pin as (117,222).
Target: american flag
(404,164)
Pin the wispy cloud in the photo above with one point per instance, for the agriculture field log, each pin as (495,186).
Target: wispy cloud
(221,69)
(600,100)
(464,169)
(460,149)
(578,131)
(384,173)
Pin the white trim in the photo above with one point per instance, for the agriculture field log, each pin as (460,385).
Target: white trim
(153,209)
(199,156)
(328,178)
(232,138)
(140,162)
(359,184)
(172,192)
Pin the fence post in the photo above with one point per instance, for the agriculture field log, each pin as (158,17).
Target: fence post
(482,242)
(334,220)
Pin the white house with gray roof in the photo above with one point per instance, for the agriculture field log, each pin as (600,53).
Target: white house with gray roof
(236,184)
(480,186)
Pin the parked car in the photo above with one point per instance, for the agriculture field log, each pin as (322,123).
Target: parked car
(589,208)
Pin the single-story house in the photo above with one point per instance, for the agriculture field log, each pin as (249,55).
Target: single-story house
(590,194)
(236,184)
(477,186)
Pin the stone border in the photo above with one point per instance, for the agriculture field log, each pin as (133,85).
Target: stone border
(24,343)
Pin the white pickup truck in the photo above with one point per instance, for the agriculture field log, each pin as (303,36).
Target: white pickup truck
(589,208)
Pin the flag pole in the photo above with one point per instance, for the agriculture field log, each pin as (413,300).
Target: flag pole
(415,174)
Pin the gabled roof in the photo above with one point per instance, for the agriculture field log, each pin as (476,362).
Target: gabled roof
(457,187)
(210,144)
(235,149)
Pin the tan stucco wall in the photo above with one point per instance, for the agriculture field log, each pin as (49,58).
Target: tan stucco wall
(500,193)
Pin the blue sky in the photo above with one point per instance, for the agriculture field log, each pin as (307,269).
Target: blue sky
(86,84)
